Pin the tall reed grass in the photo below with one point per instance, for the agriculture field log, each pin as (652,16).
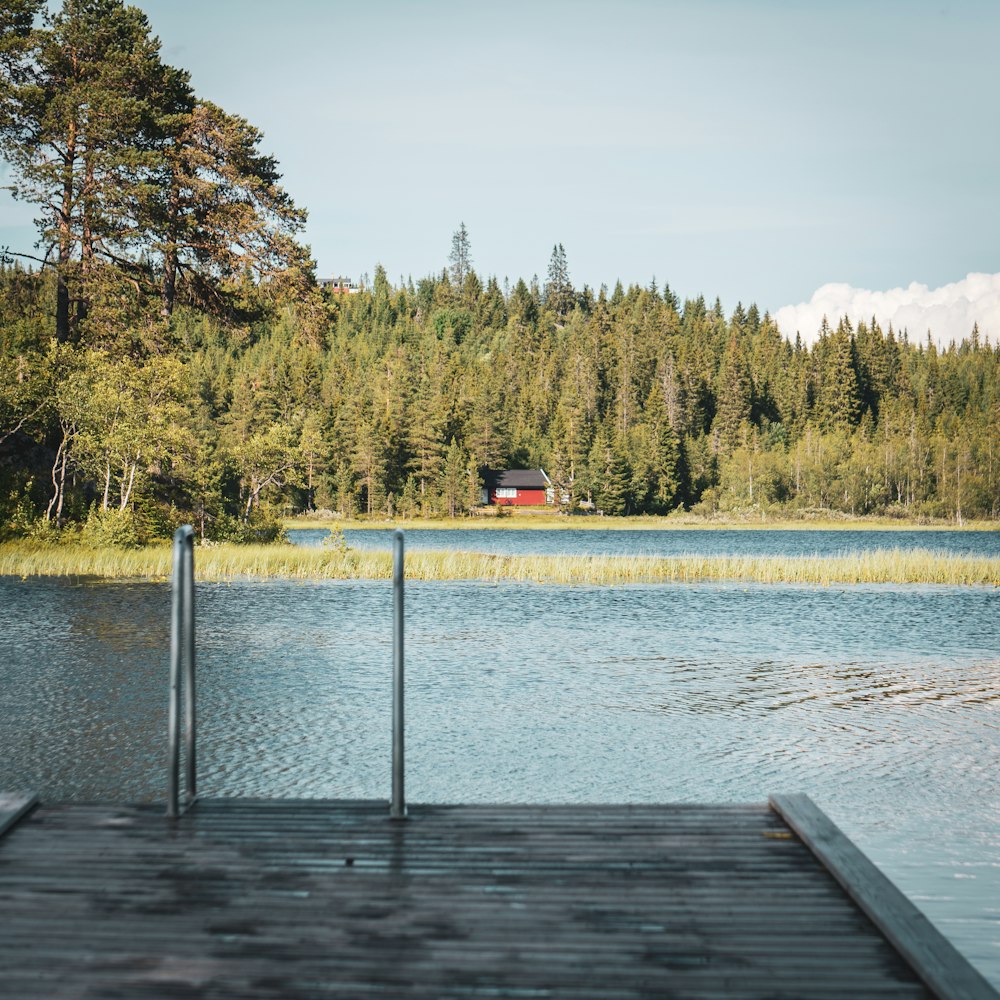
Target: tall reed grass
(261,562)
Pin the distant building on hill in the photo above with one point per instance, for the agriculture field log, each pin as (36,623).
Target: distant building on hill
(516,487)
(339,286)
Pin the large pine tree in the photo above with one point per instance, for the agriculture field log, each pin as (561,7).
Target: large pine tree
(141,187)
(79,129)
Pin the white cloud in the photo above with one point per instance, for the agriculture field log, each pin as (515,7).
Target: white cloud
(948,312)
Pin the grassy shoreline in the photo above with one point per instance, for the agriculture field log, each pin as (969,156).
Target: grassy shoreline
(535,520)
(264,562)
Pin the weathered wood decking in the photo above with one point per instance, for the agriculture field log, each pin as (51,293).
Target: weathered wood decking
(297,899)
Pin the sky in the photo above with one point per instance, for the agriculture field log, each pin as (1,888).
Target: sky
(802,155)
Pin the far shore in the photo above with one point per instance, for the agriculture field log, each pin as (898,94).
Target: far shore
(533,519)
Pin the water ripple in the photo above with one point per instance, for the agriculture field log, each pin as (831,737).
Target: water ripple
(880,702)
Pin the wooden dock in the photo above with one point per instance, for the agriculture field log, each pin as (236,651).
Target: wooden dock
(310,899)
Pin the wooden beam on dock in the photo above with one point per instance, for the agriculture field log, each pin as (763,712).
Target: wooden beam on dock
(928,952)
(14,806)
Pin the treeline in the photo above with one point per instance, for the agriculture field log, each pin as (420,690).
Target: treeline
(392,400)
(167,356)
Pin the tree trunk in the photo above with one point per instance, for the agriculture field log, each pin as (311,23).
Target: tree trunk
(168,291)
(107,484)
(127,492)
(55,506)
(62,305)
(86,241)
(65,239)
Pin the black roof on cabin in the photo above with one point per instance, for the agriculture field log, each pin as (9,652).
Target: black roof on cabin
(523,479)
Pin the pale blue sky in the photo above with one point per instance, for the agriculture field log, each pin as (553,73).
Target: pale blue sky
(751,150)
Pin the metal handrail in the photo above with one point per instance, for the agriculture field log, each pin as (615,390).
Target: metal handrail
(182,663)
(397,805)
(182,678)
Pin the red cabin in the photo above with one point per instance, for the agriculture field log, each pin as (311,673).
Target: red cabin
(517,487)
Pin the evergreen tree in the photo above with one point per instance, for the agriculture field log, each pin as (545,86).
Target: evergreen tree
(492,307)
(840,398)
(486,432)
(370,460)
(733,398)
(79,129)
(610,474)
(460,258)
(558,288)
(409,502)
(140,185)
(429,420)
(616,494)
(665,491)
(346,491)
(455,481)
(522,307)
(221,213)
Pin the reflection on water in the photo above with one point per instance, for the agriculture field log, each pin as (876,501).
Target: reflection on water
(880,702)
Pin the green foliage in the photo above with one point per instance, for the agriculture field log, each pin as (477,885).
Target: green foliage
(175,361)
(621,414)
(335,541)
(453,324)
(114,529)
(19,516)
(558,288)
(263,528)
(460,258)
(148,194)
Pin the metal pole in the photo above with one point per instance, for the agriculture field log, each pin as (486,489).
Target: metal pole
(173,709)
(397,807)
(191,792)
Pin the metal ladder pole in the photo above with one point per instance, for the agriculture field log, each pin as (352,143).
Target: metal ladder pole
(397,805)
(182,674)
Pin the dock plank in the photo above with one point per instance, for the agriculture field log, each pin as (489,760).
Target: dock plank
(928,952)
(303,899)
(13,807)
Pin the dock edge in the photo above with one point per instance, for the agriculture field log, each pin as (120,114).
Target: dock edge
(14,806)
(946,972)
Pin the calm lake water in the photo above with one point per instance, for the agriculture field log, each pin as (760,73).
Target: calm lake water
(619,542)
(880,702)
